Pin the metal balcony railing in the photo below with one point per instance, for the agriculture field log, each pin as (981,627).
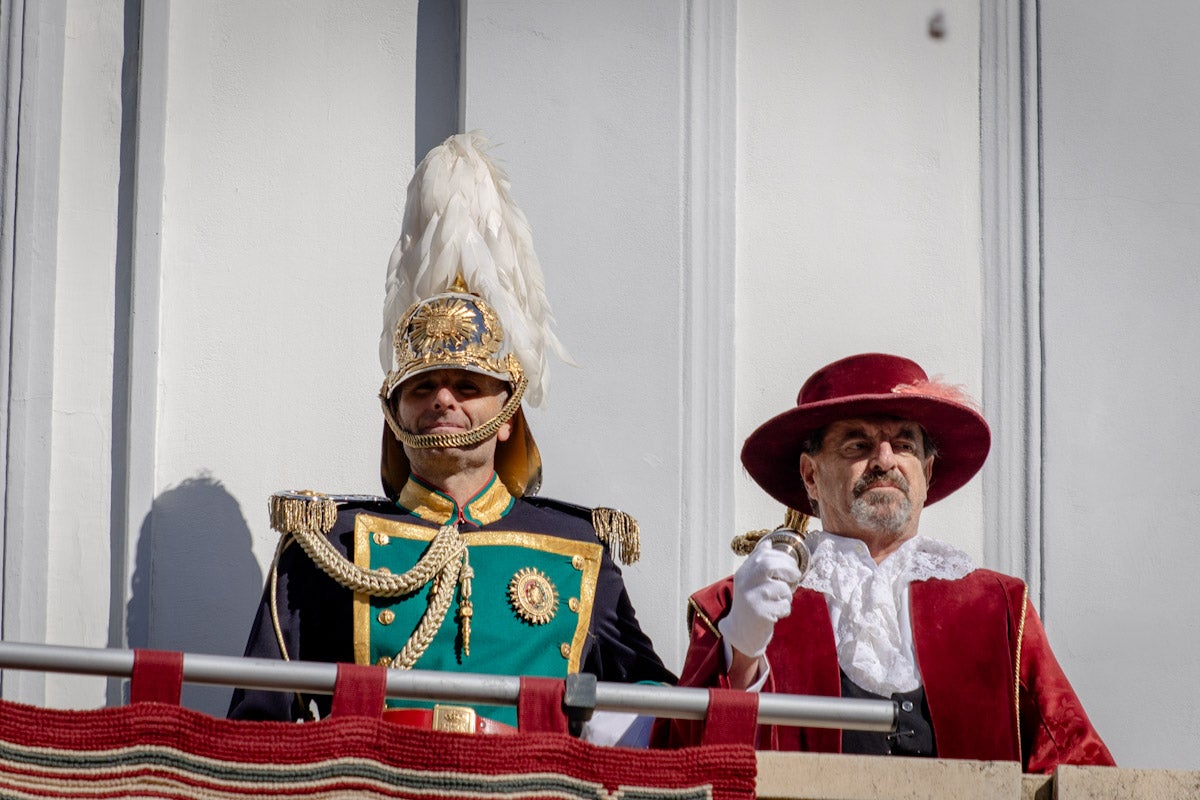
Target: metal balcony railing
(459,687)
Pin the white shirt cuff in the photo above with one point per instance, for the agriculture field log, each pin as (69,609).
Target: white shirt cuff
(764,667)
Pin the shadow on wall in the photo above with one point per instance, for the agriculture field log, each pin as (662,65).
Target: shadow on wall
(196,582)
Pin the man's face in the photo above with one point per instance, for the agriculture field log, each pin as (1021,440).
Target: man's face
(452,401)
(870,478)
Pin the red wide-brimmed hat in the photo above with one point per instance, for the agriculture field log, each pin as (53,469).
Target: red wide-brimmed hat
(868,385)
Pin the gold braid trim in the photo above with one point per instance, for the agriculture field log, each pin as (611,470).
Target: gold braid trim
(695,612)
(284,541)
(469,438)
(308,518)
(620,532)
(1017,671)
(432,619)
(441,563)
(443,552)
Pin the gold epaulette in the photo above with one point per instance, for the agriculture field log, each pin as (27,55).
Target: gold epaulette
(620,532)
(306,511)
(743,543)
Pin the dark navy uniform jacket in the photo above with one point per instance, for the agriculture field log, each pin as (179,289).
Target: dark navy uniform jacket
(315,612)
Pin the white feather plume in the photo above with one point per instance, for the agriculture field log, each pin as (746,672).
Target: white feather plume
(460,217)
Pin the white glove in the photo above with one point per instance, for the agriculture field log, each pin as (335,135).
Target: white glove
(762,595)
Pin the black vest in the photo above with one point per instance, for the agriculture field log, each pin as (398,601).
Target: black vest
(914,732)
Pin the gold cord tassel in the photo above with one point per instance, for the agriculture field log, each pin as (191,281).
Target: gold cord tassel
(302,512)
(620,532)
(795,520)
(742,544)
(466,609)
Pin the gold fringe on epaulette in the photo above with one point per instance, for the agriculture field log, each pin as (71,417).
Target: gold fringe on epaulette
(302,512)
(620,532)
(743,543)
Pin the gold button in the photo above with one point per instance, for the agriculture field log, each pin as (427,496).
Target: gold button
(565,649)
(380,539)
(386,617)
(577,562)
(384,571)
(384,661)
(573,604)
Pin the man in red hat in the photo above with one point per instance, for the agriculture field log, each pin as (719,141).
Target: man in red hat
(883,612)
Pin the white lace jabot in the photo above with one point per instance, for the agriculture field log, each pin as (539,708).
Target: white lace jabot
(869,607)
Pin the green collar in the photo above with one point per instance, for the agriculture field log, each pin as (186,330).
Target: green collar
(490,504)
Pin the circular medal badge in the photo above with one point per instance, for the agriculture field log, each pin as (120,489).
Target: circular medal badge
(533,596)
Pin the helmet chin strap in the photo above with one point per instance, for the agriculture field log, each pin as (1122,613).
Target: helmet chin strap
(424,441)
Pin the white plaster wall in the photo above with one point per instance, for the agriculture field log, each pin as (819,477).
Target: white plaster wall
(288,147)
(583,101)
(858,209)
(1122,229)
(78,534)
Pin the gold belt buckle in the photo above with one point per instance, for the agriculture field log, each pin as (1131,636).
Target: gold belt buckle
(453,719)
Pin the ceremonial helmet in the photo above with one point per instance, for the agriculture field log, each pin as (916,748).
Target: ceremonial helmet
(465,291)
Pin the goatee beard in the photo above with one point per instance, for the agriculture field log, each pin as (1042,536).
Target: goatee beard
(880,511)
(887,516)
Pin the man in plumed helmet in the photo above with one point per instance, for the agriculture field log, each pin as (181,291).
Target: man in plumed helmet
(872,609)
(461,567)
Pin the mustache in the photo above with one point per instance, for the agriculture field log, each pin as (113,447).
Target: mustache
(892,477)
(435,419)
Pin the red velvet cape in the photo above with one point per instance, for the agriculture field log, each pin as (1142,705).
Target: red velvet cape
(968,634)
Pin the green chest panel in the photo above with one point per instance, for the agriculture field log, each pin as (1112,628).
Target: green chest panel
(531,599)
